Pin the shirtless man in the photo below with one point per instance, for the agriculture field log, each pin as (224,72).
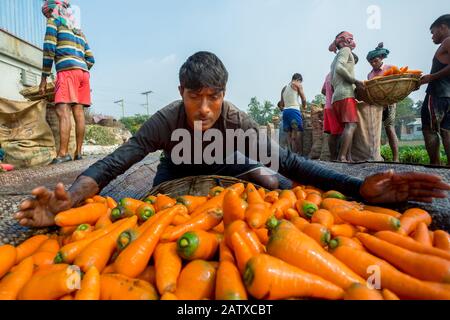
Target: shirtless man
(292,112)
(436,107)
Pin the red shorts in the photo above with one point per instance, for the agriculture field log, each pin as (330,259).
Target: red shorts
(346,111)
(73,87)
(330,123)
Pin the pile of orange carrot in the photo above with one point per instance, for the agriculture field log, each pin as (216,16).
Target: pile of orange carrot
(235,243)
(394,71)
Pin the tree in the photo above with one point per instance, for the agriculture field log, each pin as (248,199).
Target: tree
(133,124)
(406,111)
(319,99)
(262,113)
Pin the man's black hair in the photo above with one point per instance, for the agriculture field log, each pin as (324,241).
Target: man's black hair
(297,77)
(203,70)
(445,19)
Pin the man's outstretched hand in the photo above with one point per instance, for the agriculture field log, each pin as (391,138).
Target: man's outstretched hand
(41,210)
(391,187)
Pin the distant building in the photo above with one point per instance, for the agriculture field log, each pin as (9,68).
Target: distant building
(22,31)
(412,131)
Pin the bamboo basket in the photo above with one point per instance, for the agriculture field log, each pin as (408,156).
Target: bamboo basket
(195,186)
(388,90)
(32,93)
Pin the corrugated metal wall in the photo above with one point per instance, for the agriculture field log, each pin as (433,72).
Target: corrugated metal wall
(24,19)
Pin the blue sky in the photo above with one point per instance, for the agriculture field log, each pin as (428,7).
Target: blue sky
(261,42)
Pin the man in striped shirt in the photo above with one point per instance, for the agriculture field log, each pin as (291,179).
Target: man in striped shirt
(67,46)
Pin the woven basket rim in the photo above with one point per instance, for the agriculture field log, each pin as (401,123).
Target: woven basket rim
(393,78)
(192,180)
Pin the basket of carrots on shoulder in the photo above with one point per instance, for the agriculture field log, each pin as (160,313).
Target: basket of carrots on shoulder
(392,87)
(236,242)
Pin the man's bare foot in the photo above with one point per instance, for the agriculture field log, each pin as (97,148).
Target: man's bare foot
(40,211)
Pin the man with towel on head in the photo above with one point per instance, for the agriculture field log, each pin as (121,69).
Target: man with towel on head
(344,84)
(376,59)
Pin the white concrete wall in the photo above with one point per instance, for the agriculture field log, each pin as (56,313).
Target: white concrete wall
(17,56)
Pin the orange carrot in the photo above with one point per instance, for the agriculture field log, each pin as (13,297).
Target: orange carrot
(51,285)
(299,222)
(306,209)
(81,232)
(422,235)
(196,281)
(257,215)
(314,197)
(241,250)
(99,251)
(215,191)
(87,214)
(68,297)
(111,203)
(67,231)
(233,208)
(229,285)
(280,207)
(120,287)
(149,275)
(331,203)
(267,277)
(151,200)
(43,258)
(167,267)
(191,202)
(169,297)
(334,195)
(8,257)
(68,253)
(109,269)
(225,253)
(197,245)
(344,241)
(318,232)
(130,204)
(323,217)
(219,229)
(442,240)
(271,197)
(263,235)
(133,260)
(29,247)
(247,235)
(389,212)
(253,195)
(411,218)
(290,214)
(205,221)
(104,220)
(50,245)
(262,192)
(13,282)
(345,230)
(410,244)
(300,193)
(420,266)
(99,199)
(164,202)
(403,285)
(361,292)
(289,195)
(389,295)
(371,220)
(90,286)
(292,246)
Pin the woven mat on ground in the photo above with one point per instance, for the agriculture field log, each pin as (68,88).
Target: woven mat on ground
(138,181)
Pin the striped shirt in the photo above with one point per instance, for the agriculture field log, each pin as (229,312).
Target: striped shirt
(68,50)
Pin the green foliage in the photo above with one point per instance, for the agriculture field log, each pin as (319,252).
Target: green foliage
(262,113)
(411,154)
(101,135)
(319,99)
(133,124)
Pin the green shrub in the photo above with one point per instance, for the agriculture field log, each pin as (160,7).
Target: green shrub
(133,124)
(101,135)
(411,154)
